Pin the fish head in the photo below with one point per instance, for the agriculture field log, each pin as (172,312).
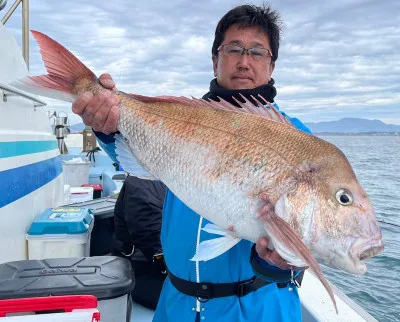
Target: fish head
(333,215)
(348,225)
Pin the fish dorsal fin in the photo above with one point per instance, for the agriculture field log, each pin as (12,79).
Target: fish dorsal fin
(266,110)
(270,113)
(160,99)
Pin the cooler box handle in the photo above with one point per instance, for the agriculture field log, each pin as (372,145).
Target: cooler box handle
(37,304)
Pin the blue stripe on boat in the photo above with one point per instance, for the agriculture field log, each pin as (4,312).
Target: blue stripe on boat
(16,148)
(18,182)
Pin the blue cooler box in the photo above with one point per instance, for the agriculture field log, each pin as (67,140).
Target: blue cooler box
(60,232)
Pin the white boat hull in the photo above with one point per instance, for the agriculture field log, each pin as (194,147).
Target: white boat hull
(31,177)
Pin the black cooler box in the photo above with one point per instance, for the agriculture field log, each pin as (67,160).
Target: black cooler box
(108,278)
(103,230)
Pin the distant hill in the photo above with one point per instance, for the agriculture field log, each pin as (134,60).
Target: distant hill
(352,125)
(344,125)
(76,128)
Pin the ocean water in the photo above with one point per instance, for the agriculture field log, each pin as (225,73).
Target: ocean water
(376,162)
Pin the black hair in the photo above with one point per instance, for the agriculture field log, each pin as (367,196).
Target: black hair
(251,16)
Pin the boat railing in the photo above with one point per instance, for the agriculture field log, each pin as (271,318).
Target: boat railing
(25,24)
(7,91)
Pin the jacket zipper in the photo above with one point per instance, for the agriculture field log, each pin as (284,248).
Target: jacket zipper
(197,263)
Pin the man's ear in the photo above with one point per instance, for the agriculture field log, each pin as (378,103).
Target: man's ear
(215,64)
(271,69)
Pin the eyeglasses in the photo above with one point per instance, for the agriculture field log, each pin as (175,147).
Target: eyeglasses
(257,53)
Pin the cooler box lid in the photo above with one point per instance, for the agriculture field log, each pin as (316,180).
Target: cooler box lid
(105,277)
(102,207)
(62,220)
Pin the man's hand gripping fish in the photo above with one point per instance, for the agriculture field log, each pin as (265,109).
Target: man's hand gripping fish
(247,170)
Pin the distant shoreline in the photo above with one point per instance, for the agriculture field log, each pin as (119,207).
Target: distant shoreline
(358,134)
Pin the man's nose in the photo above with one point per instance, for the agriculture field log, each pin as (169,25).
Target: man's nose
(244,60)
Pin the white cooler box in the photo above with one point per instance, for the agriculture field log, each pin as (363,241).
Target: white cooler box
(76,308)
(110,279)
(60,232)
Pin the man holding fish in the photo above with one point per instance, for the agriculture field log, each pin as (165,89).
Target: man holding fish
(236,71)
(252,197)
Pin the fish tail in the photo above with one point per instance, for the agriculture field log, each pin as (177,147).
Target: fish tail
(67,76)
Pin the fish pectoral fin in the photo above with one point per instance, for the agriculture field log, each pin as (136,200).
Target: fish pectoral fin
(286,251)
(212,248)
(128,161)
(293,247)
(287,254)
(214,229)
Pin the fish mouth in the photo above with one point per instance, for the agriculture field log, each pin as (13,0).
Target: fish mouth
(363,249)
(351,258)
(371,249)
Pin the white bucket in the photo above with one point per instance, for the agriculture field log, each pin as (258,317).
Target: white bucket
(76,173)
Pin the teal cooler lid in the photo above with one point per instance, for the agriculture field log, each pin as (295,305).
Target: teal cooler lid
(62,220)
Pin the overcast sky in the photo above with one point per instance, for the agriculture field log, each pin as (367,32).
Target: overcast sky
(337,58)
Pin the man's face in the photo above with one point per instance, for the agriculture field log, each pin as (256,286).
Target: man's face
(243,72)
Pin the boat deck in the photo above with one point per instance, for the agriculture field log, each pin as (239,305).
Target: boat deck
(141,314)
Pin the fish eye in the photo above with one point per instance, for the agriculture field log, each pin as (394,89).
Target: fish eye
(344,197)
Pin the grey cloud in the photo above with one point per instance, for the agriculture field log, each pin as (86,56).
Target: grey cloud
(338,57)
(345,54)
